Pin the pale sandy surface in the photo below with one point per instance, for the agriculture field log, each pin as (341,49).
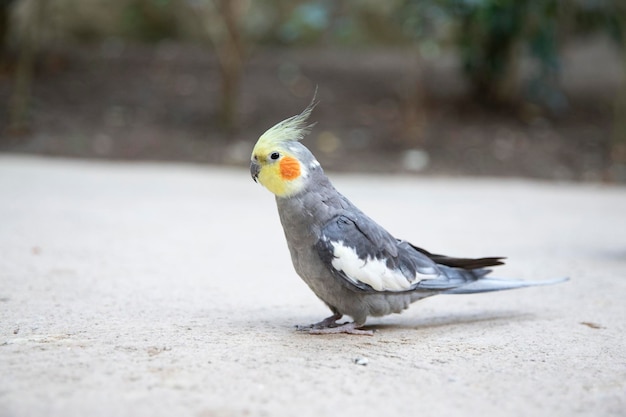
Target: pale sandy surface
(167,290)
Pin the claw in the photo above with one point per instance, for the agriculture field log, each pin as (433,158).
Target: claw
(348,328)
(327,322)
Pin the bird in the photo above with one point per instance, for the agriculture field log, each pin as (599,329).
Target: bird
(354,265)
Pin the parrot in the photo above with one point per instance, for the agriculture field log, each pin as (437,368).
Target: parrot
(354,265)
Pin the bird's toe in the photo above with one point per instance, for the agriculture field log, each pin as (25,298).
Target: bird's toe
(348,328)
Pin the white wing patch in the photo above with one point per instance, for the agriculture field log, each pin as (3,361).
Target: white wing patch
(371,271)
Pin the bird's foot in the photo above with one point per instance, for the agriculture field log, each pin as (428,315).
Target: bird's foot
(348,328)
(330,326)
(327,322)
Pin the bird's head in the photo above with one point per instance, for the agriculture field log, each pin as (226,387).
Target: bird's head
(279,161)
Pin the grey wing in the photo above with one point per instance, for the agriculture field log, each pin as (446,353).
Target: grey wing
(368,258)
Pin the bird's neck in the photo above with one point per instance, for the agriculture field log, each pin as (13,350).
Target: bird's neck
(303,215)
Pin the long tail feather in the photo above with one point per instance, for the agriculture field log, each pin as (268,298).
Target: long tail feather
(463,263)
(496,284)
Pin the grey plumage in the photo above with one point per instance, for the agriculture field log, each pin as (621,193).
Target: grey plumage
(350,262)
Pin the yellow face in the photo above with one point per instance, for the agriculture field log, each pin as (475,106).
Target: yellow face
(277,170)
(273,165)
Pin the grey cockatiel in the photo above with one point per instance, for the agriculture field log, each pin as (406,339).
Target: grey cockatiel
(351,263)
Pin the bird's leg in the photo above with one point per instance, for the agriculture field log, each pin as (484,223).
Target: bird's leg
(327,322)
(349,328)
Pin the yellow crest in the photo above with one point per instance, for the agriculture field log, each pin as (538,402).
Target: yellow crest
(294,128)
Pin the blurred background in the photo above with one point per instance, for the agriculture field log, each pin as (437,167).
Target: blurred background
(442,87)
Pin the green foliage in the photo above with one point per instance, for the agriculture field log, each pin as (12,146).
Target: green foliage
(608,15)
(350,22)
(307,22)
(150,20)
(491,35)
(5,9)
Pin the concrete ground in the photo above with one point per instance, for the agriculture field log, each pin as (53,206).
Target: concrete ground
(167,290)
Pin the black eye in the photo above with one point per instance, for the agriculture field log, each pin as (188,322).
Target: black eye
(275,155)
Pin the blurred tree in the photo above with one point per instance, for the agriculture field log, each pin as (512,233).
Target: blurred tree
(230,52)
(28,41)
(221,23)
(5,11)
(332,22)
(150,20)
(617,150)
(492,35)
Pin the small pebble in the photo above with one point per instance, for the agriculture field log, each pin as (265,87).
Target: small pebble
(361,361)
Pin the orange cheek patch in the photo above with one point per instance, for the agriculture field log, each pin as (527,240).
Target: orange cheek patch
(289,168)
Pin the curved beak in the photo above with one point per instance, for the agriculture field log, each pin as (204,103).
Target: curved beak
(255,168)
